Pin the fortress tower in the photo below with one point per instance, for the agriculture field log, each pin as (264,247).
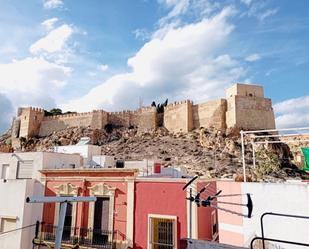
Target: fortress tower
(248,109)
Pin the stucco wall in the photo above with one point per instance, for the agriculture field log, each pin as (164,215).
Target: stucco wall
(13,194)
(287,198)
(82,209)
(204,221)
(172,202)
(41,160)
(85,151)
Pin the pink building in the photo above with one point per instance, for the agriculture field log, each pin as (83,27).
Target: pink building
(129,211)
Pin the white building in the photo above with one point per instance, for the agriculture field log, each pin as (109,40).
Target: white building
(85,150)
(287,198)
(20,178)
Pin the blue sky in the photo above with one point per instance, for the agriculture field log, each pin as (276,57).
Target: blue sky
(83,55)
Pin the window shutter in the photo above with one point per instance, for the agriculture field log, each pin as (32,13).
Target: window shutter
(25,169)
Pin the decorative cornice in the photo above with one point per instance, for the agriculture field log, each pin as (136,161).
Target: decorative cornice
(102,189)
(67,189)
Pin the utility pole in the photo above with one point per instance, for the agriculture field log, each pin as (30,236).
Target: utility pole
(63,200)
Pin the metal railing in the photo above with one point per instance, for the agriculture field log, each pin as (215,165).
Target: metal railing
(263,238)
(92,238)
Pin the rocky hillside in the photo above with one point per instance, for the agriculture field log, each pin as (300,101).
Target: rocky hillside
(204,152)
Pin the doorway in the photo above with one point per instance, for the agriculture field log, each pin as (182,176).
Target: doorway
(67,223)
(101,221)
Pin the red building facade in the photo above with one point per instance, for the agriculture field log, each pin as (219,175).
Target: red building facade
(129,211)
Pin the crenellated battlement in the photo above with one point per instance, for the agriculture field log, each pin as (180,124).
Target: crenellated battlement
(178,103)
(70,115)
(244,107)
(37,109)
(29,109)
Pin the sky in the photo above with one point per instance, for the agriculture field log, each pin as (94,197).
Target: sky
(83,55)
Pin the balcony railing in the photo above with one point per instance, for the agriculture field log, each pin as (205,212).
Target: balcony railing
(83,237)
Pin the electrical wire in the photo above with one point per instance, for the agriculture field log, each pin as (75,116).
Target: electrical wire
(17,229)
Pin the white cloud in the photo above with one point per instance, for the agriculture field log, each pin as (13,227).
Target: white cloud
(52,4)
(260,10)
(6,110)
(179,8)
(267,13)
(293,112)
(31,81)
(246,2)
(253,57)
(103,67)
(49,23)
(141,34)
(179,64)
(54,41)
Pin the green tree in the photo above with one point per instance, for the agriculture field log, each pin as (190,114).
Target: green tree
(56,111)
(160,107)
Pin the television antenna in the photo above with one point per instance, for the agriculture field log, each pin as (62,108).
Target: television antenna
(63,200)
(212,202)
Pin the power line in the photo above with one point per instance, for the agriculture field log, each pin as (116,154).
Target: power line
(17,229)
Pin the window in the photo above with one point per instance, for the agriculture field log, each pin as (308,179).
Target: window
(5,171)
(214,225)
(162,232)
(7,224)
(24,170)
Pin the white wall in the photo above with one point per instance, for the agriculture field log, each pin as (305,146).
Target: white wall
(14,191)
(287,198)
(12,195)
(104,161)
(53,160)
(41,160)
(86,151)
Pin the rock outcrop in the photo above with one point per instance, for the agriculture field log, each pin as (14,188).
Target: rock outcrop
(206,152)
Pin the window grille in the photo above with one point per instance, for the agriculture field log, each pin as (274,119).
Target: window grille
(162,234)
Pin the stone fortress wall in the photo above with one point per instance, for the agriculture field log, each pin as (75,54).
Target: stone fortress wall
(245,107)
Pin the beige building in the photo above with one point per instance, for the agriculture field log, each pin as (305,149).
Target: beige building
(244,107)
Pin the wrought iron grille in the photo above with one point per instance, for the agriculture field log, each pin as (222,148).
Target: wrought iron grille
(162,233)
(93,238)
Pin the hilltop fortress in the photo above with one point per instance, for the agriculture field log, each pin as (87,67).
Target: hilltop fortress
(244,107)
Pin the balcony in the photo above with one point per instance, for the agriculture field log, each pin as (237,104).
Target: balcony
(74,237)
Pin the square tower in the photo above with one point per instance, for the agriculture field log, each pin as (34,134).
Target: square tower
(248,109)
